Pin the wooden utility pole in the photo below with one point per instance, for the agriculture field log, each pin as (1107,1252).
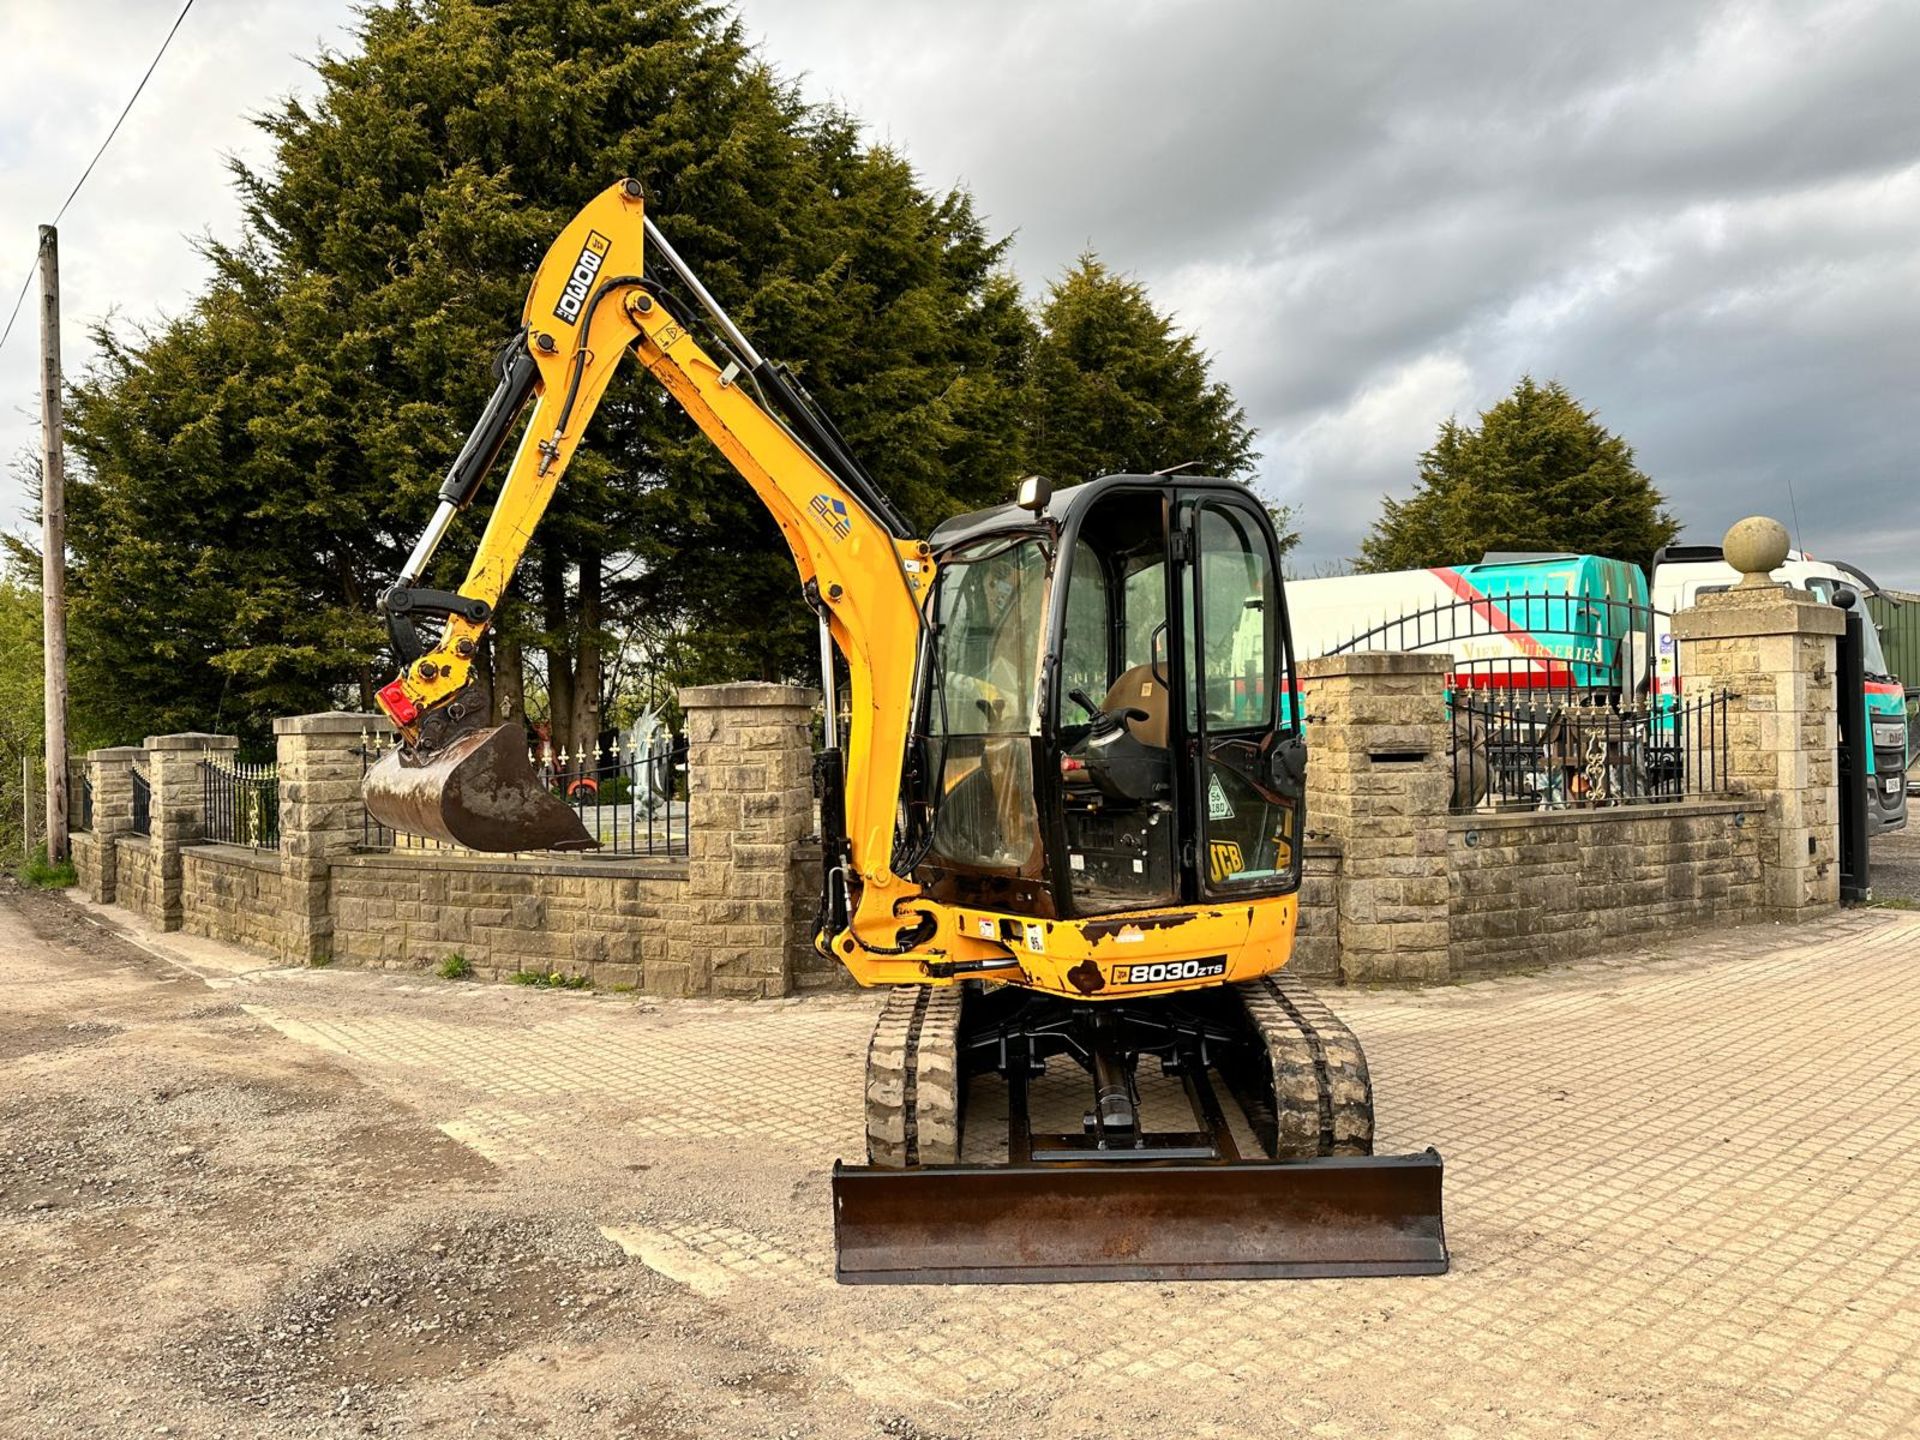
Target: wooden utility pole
(53,545)
(26,808)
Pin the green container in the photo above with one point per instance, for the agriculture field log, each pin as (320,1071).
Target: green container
(1897,613)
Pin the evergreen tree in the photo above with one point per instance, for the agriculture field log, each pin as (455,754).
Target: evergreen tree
(1539,473)
(256,470)
(22,718)
(1114,387)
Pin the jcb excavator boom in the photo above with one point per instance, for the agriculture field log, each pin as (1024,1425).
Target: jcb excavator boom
(1065,823)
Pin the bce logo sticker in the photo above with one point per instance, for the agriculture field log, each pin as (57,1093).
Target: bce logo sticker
(833,514)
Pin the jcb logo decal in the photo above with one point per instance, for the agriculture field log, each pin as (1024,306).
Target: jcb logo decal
(580,283)
(1224,860)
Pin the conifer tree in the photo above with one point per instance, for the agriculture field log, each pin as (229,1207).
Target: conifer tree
(1540,473)
(255,470)
(1114,387)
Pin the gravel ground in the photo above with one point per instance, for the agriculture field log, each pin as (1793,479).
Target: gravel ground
(1895,860)
(238,1201)
(209,1231)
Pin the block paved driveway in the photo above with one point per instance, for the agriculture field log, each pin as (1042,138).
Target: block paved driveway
(1683,1198)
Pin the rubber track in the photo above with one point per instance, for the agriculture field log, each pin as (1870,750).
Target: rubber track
(913,1089)
(1322,1095)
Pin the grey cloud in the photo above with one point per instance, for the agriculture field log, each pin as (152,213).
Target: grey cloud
(1700,216)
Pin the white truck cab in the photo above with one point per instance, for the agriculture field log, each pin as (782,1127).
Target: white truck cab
(1683,573)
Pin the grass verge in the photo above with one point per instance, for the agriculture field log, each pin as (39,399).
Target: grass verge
(551,980)
(43,873)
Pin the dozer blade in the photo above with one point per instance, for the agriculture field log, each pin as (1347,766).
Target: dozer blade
(477,790)
(1116,1220)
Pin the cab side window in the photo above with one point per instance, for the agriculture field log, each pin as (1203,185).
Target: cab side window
(1083,644)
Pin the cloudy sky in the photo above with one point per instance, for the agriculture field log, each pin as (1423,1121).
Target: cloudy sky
(1703,218)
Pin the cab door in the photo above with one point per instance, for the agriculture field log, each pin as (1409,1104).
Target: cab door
(1248,760)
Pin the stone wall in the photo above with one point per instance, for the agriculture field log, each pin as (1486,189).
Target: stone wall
(810,969)
(136,883)
(1377,786)
(231,893)
(750,801)
(176,811)
(617,923)
(321,760)
(1316,940)
(111,771)
(1774,648)
(86,860)
(1395,889)
(1538,888)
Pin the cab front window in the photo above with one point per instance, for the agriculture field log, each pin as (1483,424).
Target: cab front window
(989,612)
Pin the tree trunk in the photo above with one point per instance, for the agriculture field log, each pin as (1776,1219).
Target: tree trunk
(586,673)
(553,596)
(350,589)
(509,679)
(483,671)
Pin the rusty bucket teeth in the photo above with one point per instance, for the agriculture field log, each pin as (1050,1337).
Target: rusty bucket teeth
(478,790)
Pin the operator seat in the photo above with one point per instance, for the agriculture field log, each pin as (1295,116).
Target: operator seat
(1141,689)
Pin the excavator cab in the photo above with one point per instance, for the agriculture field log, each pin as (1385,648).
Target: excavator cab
(1108,707)
(1109,744)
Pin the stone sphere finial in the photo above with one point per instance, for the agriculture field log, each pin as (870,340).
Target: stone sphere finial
(1756,547)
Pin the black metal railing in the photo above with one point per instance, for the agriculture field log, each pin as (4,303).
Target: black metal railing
(240,803)
(632,797)
(1554,642)
(82,791)
(142,802)
(1540,749)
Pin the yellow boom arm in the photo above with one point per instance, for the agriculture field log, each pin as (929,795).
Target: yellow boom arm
(587,307)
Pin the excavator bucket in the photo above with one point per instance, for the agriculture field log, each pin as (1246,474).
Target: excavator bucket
(1112,1220)
(478,790)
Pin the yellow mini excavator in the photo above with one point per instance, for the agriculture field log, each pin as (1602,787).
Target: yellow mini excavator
(1063,823)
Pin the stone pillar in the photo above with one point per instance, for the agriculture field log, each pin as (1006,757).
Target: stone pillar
(750,782)
(1774,649)
(176,810)
(111,773)
(321,763)
(1377,785)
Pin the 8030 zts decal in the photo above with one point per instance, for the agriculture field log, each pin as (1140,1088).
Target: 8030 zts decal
(1163,972)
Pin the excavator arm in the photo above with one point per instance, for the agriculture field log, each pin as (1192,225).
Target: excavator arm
(1132,1000)
(591,304)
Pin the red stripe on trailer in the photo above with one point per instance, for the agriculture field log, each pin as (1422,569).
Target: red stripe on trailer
(1486,609)
(1546,675)
(1503,624)
(1884,687)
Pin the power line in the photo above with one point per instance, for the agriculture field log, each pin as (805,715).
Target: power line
(25,285)
(124,111)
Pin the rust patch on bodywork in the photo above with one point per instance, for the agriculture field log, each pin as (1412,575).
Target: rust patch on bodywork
(1086,977)
(1096,930)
